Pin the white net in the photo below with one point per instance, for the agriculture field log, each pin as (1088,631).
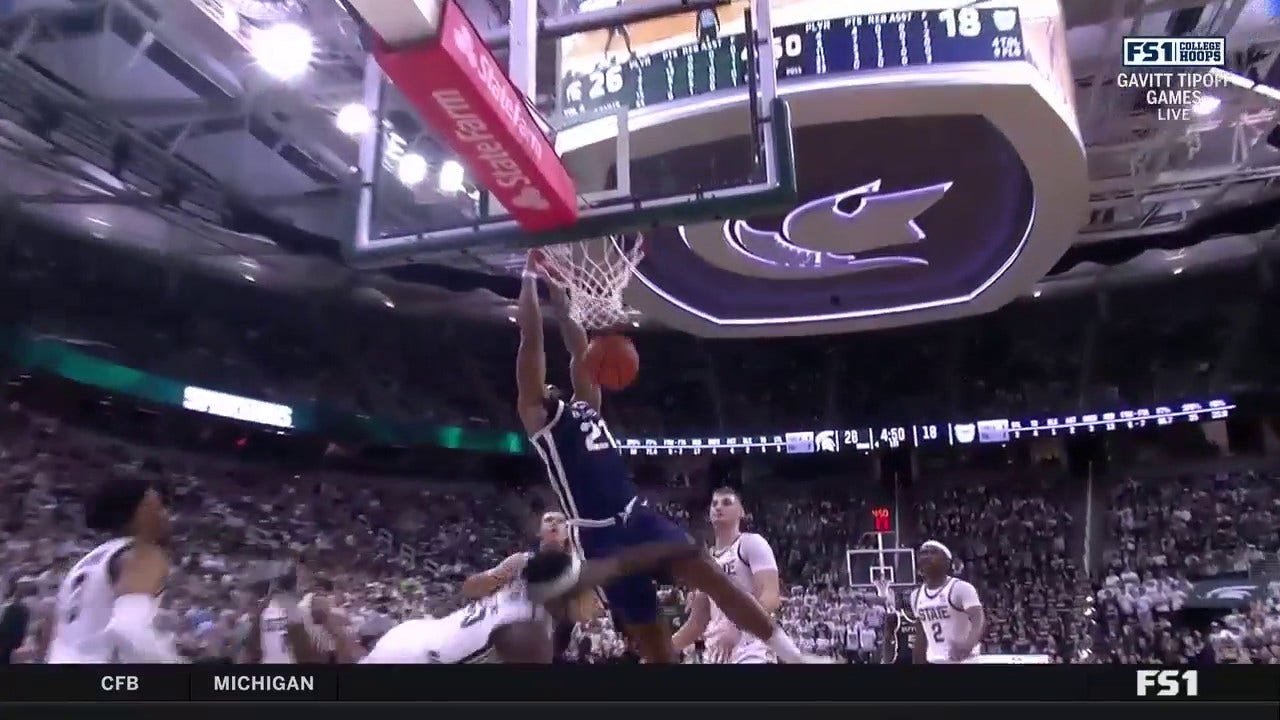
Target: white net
(594,273)
(884,588)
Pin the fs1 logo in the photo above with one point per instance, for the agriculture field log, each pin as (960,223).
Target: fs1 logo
(1169,683)
(1174,52)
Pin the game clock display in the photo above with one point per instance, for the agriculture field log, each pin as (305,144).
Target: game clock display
(881,41)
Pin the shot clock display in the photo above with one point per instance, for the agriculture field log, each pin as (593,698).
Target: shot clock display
(881,520)
(892,437)
(881,41)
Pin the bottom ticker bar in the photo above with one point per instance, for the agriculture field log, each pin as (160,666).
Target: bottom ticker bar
(637,684)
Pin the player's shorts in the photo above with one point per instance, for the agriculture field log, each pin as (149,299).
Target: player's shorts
(632,599)
(408,643)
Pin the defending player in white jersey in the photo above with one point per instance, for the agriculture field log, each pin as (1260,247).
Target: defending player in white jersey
(553,534)
(514,624)
(749,562)
(106,605)
(947,611)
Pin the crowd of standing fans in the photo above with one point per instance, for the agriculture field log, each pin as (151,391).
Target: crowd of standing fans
(391,549)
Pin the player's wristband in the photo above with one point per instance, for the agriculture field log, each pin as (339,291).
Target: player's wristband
(529,275)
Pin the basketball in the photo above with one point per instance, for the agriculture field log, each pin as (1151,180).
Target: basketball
(612,361)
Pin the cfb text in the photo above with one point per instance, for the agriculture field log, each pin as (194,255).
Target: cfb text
(119,683)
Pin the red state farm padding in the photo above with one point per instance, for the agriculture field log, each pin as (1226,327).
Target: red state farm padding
(455,83)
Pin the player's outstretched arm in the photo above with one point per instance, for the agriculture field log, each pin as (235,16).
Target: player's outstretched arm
(696,625)
(484,584)
(531,358)
(575,341)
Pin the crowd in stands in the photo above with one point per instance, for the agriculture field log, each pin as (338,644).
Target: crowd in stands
(1050,355)
(397,548)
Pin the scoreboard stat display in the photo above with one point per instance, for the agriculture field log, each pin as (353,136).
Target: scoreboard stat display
(892,437)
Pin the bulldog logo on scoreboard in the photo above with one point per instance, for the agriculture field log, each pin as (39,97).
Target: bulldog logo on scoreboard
(898,214)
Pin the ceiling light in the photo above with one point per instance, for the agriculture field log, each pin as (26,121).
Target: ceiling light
(283,51)
(1206,105)
(412,169)
(450,180)
(354,119)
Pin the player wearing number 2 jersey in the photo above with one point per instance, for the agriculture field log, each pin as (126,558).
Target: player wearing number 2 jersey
(595,491)
(106,605)
(948,614)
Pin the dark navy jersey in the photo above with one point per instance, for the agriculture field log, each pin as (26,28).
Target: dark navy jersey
(586,469)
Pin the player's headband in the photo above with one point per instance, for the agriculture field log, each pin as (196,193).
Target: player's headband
(937,546)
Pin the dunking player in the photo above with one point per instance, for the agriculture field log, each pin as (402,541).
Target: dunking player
(748,561)
(553,534)
(514,624)
(948,614)
(106,605)
(590,478)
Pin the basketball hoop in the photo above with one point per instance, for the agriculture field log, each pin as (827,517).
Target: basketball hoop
(884,589)
(594,273)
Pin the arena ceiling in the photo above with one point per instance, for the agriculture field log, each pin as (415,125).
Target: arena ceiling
(110,109)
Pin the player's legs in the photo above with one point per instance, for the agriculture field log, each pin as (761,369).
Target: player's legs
(633,600)
(701,573)
(404,644)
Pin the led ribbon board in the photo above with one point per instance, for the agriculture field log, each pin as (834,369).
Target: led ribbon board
(940,168)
